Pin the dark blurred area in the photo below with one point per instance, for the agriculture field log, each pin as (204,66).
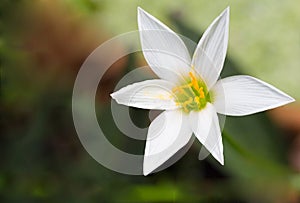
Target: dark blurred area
(43,45)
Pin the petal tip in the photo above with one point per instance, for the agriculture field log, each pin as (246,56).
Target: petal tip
(113,95)
(147,169)
(221,160)
(146,173)
(225,14)
(139,10)
(226,11)
(142,12)
(288,99)
(291,99)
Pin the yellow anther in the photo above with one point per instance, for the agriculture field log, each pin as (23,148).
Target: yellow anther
(197,100)
(194,81)
(201,92)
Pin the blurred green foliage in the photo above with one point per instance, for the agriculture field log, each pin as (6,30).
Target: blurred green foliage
(42,158)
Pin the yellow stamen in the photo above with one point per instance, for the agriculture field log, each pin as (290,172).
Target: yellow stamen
(194,81)
(192,95)
(187,85)
(186,103)
(201,92)
(197,100)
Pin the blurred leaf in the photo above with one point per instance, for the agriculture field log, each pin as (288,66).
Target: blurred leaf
(84,6)
(161,192)
(295,181)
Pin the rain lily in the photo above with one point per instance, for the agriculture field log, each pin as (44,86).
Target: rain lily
(189,91)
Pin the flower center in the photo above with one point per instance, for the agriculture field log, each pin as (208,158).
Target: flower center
(193,95)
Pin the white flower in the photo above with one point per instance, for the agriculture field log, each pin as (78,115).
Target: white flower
(189,92)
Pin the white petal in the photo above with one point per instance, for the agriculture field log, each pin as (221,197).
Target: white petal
(163,49)
(211,50)
(244,95)
(149,94)
(167,134)
(205,125)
